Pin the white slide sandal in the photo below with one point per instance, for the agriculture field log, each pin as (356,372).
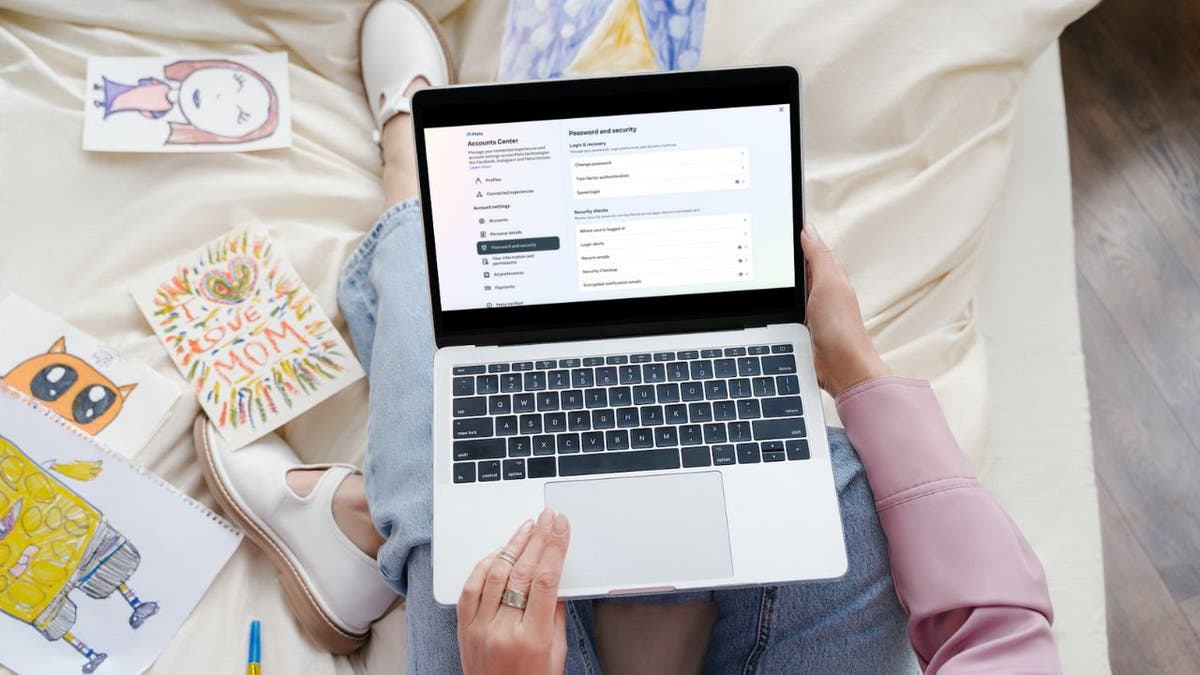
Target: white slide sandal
(399,42)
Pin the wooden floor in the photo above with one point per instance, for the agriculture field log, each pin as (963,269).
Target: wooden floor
(1131,72)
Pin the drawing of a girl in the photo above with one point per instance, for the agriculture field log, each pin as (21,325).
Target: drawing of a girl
(220,101)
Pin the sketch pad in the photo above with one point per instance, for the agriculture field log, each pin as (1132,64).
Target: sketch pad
(101,562)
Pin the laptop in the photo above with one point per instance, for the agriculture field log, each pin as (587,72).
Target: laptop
(617,290)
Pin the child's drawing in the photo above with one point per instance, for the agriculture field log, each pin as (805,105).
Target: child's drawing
(52,542)
(187,105)
(71,387)
(589,37)
(222,101)
(247,334)
(74,375)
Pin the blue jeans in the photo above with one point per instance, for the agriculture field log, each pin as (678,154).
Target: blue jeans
(852,625)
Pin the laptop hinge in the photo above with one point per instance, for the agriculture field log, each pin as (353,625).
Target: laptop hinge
(544,338)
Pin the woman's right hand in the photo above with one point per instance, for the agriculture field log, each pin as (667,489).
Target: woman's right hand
(497,639)
(842,350)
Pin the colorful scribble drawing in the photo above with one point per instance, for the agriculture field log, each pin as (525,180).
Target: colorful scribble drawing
(52,542)
(246,332)
(587,37)
(71,387)
(219,101)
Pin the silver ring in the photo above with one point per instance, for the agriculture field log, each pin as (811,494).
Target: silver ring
(514,598)
(507,557)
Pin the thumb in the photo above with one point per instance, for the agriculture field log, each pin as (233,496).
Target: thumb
(816,252)
(560,619)
(558,646)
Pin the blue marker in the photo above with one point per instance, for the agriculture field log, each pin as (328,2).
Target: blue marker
(254,660)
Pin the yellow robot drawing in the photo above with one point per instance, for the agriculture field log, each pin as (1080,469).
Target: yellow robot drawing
(53,541)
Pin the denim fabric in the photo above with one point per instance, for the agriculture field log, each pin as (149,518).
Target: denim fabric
(852,625)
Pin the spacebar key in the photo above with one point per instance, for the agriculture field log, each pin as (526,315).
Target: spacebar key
(618,462)
(781,427)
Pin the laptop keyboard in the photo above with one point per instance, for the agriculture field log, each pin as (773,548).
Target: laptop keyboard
(649,411)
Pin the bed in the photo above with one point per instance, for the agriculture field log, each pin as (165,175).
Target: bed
(937,169)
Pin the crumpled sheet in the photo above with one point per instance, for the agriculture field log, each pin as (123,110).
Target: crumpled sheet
(908,112)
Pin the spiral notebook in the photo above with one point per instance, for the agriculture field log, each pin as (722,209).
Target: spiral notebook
(101,561)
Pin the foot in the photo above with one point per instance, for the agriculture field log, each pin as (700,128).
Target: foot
(349,506)
(397,137)
(335,589)
(142,612)
(94,662)
(400,155)
(398,43)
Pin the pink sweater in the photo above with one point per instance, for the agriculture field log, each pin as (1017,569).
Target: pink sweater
(974,591)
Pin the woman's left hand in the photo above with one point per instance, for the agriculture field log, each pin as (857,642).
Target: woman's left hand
(496,638)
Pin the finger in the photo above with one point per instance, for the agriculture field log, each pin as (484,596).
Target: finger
(823,266)
(543,596)
(807,283)
(522,573)
(468,601)
(498,570)
(812,231)
(558,646)
(816,252)
(812,258)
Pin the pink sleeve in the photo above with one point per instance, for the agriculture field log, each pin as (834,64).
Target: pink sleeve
(974,591)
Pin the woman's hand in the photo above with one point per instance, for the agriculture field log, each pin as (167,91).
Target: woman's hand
(842,350)
(498,639)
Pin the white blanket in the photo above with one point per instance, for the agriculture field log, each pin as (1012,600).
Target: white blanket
(908,114)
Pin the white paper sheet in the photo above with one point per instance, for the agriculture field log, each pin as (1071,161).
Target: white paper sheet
(75,521)
(39,350)
(187,104)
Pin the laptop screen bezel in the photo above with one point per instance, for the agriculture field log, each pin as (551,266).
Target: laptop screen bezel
(596,97)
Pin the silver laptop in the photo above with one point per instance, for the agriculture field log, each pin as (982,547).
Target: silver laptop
(617,288)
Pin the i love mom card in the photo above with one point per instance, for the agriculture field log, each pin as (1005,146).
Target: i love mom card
(247,334)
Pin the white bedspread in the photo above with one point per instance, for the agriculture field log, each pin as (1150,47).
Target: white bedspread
(909,108)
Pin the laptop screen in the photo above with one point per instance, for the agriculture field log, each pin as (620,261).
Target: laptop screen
(579,209)
(613,207)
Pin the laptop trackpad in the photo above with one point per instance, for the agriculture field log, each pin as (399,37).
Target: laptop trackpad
(644,530)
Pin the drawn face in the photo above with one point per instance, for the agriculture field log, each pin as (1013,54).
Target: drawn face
(71,387)
(224,101)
